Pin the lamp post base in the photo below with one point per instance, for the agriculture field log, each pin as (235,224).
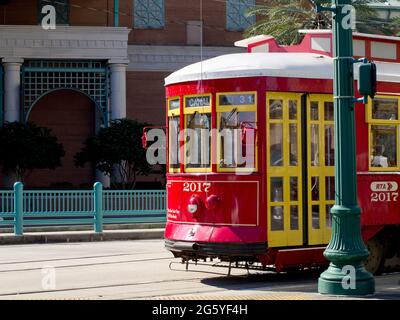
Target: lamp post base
(346,280)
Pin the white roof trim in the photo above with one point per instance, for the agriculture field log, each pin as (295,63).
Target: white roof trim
(285,65)
(246,42)
(317,31)
(359,34)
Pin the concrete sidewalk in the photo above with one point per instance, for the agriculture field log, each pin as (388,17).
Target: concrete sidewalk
(83,234)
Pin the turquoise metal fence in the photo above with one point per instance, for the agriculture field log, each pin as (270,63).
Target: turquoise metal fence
(96,207)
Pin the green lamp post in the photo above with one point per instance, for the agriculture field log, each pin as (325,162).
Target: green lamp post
(346,250)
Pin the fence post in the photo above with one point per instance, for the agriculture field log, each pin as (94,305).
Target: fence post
(18,209)
(98,207)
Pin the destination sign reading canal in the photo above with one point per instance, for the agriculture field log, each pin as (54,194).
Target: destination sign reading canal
(237,99)
(198,101)
(174,104)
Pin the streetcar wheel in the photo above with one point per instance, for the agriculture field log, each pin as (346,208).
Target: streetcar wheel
(374,263)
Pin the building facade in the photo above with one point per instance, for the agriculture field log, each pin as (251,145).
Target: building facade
(104,60)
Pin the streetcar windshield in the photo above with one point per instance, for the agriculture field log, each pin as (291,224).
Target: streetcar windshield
(234,126)
(198,140)
(237,127)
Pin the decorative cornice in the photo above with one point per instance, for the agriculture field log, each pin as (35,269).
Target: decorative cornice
(171,58)
(33,42)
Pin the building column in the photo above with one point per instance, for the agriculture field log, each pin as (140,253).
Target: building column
(118,97)
(118,89)
(12,105)
(12,87)
(100,176)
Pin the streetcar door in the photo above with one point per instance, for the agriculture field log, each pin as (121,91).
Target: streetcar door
(284,169)
(320,167)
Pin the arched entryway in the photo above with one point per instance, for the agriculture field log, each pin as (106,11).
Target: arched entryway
(71,116)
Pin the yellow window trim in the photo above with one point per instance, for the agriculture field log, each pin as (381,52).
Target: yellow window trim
(189,111)
(202,109)
(240,108)
(381,122)
(323,233)
(368,114)
(286,237)
(378,169)
(174,112)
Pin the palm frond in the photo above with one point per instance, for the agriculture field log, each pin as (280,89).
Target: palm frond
(283,18)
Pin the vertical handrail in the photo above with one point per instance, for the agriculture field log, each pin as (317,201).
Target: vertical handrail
(18,209)
(98,207)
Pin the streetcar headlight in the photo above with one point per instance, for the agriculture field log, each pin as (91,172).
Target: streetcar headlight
(212,202)
(192,208)
(195,205)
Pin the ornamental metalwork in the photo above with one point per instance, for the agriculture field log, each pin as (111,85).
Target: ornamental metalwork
(149,14)
(236,14)
(40,77)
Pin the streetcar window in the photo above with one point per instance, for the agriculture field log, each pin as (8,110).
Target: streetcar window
(329,145)
(174,156)
(198,140)
(292,110)
(276,144)
(293,148)
(314,111)
(330,188)
(385,109)
(173,134)
(314,145)
(233,128)
(275,109)
(294,217)
(315,217)
(383,146)
(277,218)
(328,112)
(197,109)
(236,131)
(328,218)
(383,118)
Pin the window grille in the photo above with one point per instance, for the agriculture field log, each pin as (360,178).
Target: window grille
(89,77)
(236,18)
(149,14)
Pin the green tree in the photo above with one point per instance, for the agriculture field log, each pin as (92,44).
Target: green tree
(283,18)
(117,148)
(25,147)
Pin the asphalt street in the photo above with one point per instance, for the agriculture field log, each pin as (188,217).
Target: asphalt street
(143,269)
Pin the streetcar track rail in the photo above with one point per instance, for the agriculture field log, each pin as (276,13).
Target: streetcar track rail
(72,258)
(87,264)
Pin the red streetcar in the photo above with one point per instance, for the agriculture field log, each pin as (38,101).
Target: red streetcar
(272,210)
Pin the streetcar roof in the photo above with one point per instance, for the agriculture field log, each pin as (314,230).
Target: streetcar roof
(271,64)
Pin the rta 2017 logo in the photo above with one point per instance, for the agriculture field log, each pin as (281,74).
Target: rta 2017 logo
(50,17)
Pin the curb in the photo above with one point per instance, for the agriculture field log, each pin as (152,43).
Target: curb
(82,236)
(88,228)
